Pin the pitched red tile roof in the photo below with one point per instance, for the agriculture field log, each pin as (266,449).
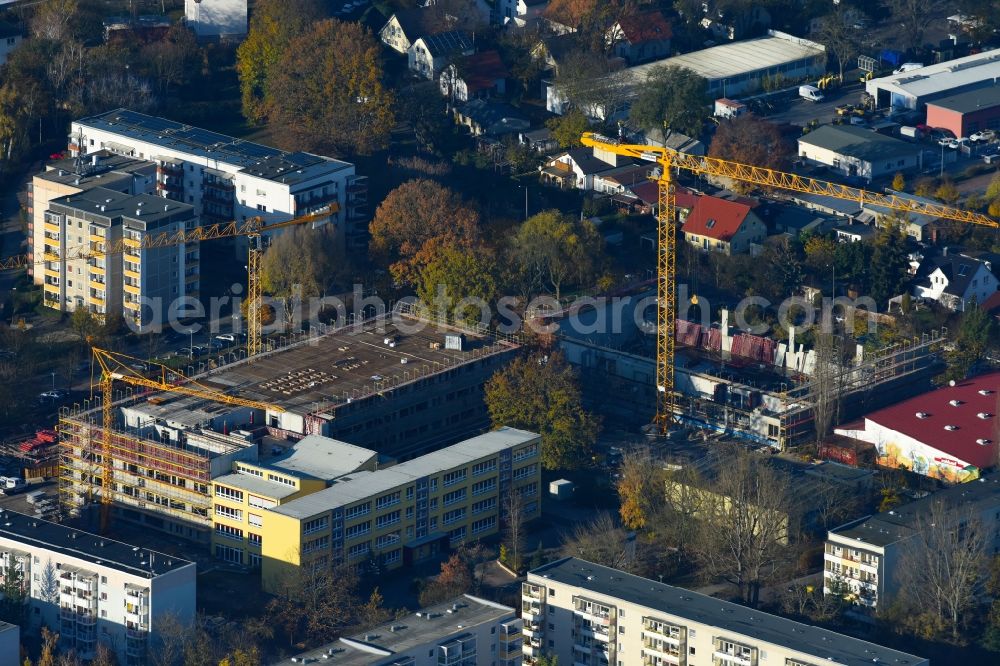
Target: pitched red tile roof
(481,71)
(648,191)
(648,27)
(930,430)
(715,218)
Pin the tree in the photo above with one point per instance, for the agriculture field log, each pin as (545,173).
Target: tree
(601,541)
(947,192)
(744,523)
(911,18)
(749,140)
(820,252)
(374,611)
(558,249)
(941,570)
(898,182)
(14,588)
(50,642)
(542,394)
(273,25)
(53,19)
(326,92)
(567,128)
(241,657)
(641,489)
(825,383)
(167,643)
(455,579)
(674,97)
(458,282)
(975,333)
(413,214)
(298,265)
(889,260)
(513,528)
(174,59)
(588,81)
(837,34)
(103,656)
(314,602)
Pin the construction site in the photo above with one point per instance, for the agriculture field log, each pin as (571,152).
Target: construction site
(752,387)
(402,394)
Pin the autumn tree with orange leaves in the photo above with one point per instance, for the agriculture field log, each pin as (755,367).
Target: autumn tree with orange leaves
(326,92)
(415,222)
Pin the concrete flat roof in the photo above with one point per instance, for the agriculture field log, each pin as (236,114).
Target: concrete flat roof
(728,60)
(321,457)
(328,371)
(821,644)
(86,546)
(941,77)
(434,625)
(248,157)
(106,206)
(256,485)
(900,523)
(362,485)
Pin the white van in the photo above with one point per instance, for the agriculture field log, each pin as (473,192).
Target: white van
(811,93)
(908,67)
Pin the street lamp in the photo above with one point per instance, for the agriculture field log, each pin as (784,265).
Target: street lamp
(53,381)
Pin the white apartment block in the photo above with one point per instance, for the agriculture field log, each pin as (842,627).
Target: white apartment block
(861,559)
(225,178)
(464,631)
(92,590)
(589,615)
(142,283)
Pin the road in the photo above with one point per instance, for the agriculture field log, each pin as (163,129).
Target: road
(801,112)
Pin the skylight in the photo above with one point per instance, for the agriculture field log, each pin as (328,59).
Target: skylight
(710,224)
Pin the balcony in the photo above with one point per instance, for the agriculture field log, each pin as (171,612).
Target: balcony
(726,658)
(533,616)
(529,651)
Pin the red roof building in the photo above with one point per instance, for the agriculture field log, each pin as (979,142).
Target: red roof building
(949,433)
(723,226)
(640,37)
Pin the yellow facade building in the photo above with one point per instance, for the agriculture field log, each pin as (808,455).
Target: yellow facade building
(241,499)
(385,518)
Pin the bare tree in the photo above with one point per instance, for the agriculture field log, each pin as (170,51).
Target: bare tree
(825,383)
(942,568)
(513,528)
(167,644)
(911,17)
(837,34)
(684,499)
(745,524)
(602,541)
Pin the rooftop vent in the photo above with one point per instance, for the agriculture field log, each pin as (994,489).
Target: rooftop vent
(951,427)
(922,415)
(984,415)
(983,442)
(954,403)
(985,392)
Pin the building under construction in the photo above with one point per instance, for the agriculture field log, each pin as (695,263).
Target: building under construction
(748,386)
(400,393)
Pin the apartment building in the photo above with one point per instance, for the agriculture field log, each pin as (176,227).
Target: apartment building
(74,175)
(862,558)
(141,282)
(92,590)
(239,498)
(225,178)
(464,631)
(586,614)
(409,512)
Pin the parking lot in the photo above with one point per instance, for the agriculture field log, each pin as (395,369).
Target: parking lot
(794,110)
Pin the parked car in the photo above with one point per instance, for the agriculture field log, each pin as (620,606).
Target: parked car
(189,352)
(53,395)
(985,135)
(226,337)
(955,144)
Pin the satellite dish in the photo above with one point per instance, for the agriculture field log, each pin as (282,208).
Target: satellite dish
(951,383)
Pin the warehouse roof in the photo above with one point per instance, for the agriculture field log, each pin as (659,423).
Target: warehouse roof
(972,100)
(728,60)
(688,605)
(942,77)
(857,142)
(363,485)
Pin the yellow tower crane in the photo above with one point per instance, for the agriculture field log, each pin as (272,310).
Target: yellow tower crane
(666,215)
(251,228)
(118,367)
